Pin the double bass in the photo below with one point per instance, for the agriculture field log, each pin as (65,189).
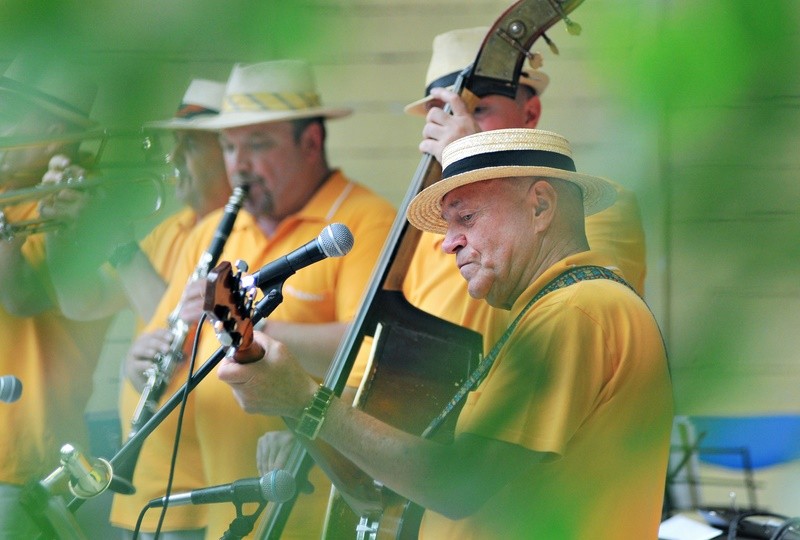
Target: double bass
(417,361)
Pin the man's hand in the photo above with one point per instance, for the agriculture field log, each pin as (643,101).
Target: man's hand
(142,354)
(275,385)
(67,204)
(442,128)
(192,301)
(273,450)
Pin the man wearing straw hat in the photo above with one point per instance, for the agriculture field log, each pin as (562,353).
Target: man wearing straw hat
(53,358)
(137,277)
(272,131)
(432,284)
(565,426)
(138,272)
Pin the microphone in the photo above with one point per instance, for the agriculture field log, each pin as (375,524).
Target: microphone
(275,486)
(89,477)
(11,388)
(335,240)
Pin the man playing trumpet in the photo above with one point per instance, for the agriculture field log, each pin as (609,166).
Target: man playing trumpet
(136,277)
(54,358)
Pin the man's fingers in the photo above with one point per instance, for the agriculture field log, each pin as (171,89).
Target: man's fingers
(457,105)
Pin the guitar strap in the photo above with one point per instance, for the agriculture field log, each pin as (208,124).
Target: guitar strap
(569,277)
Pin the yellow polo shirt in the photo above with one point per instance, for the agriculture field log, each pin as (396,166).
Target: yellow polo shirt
(583,376)
(162,247)
(55,359)
(164,243)
(617,232)
(327,291)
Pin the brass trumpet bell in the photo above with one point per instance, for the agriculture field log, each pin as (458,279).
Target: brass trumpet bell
(145,184)
(127,162)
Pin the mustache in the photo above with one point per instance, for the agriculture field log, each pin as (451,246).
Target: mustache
(244,179)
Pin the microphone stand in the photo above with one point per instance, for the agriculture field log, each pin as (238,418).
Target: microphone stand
(262,310)
(242,524)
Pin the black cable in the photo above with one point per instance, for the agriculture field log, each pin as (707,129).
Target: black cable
(733,528)
(786,527)
(173,461)
(178,428)
(138,526)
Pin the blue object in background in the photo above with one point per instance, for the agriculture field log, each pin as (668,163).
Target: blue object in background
(770,440)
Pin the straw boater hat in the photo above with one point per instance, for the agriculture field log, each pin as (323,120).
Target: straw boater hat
(273,91)
(455,50)
(52,86)
(201,100)
(504,153)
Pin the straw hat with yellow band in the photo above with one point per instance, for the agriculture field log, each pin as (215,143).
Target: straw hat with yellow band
(455,50)
(506,153)
(202,99)
(274,91)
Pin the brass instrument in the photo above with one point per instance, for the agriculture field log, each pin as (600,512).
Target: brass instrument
(160,373)
(146,141)
(146,167)
(40,192)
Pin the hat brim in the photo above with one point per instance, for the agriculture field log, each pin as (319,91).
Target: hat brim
(248,118)
(425,210)
(418,108)
(176,124)
(13,87)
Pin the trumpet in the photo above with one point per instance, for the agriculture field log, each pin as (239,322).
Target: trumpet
(139,180)
(142,163)
(147,143)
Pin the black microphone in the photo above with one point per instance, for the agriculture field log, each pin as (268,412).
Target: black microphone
(275,486)
(335,240)
(11,388)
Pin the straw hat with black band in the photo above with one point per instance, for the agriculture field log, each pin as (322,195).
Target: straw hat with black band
(274,91)
(506,153)
(455,50)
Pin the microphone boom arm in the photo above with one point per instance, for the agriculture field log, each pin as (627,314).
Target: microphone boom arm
(129,450)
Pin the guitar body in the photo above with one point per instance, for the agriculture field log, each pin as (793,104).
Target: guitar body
(423,362)
(400,520)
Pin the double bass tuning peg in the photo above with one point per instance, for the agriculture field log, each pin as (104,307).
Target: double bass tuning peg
(573,28)
(535,60)
(550,44)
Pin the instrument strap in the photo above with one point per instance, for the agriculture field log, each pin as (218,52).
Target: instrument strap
(567,278)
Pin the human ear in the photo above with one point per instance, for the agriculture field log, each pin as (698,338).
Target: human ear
(542,197)
(532,111)
(541,206)
(312,137)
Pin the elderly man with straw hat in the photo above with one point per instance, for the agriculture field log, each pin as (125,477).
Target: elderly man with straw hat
(432,284)
(52,357)
(565,426)
(272,131)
